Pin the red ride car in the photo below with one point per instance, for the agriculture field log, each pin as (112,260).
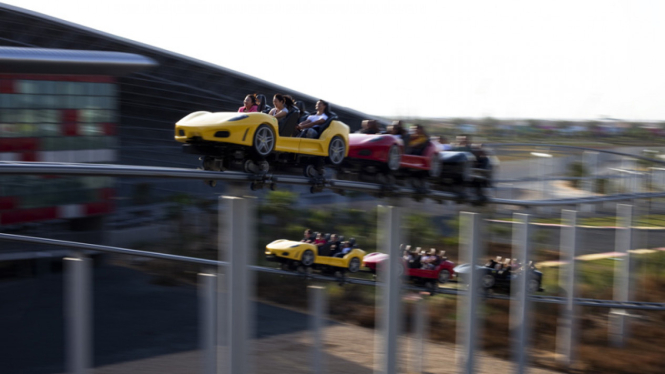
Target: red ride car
(382,153)
(442,273)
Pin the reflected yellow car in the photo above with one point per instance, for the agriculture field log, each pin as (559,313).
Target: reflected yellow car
(291,253)
(256,136)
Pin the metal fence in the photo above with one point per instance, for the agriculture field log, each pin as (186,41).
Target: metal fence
(226,284)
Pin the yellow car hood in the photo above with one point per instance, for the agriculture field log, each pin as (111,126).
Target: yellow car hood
(283,244)
(208,118)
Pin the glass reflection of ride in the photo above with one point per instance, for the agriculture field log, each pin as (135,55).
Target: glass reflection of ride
(443,272)
(301,256)
(496,278)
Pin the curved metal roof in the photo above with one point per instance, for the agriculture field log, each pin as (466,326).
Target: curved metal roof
(276,88)
(68,61)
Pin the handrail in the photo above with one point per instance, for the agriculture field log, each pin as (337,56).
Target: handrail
(46,168)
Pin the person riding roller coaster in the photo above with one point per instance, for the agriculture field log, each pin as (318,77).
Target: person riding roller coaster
(310,127)
(369,127)
(418,141)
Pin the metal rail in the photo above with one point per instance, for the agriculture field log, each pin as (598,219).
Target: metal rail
(364,282)
(46,168)
(499,145)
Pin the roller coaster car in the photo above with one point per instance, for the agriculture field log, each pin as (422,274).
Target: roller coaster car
(381,158)
(292,254)
(491,278)
(252,142)
(442,273)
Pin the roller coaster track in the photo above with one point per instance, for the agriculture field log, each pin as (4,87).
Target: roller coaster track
(318,277)
(44,168)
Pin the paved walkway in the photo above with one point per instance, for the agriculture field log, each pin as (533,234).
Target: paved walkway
(349,350)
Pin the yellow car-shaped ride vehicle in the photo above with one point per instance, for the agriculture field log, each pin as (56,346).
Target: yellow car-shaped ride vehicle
(251,142)
(293,255)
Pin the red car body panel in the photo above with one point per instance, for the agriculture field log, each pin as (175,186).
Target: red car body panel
(373,260)
(372,147)
(420,162)
(375,148)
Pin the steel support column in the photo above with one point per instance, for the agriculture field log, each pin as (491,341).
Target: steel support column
(318,306)
(519,308)
(236,242)
(78,308)
(566,335)
(467,306)
(207,323)
(622,273)
(389,305)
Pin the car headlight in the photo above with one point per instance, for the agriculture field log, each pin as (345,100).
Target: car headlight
(377,139)
(295,245)
(238,118)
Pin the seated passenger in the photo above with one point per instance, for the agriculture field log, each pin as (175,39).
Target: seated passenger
(250,104)
(397,129)
(346,249)
(430,262)
(319,241)
(303,112)
(463,143)
(498,265)
(369,126)
(482,161)
(416,257)
(442,143)
(506,264)
(437,258)
(308,236)
(283,105)
(514,265)
(418,141)
(310,127)
(334,244)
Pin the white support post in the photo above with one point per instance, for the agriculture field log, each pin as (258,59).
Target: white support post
(519,308)
(622,273)
(420,323)
(78,306)
(468,306)
(236,245)
(389,305)
(318,305)
(207,323)
(566,335)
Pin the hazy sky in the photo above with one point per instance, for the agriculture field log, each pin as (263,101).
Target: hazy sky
(577,59)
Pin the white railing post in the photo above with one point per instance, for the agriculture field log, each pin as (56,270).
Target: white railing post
(318,305)
(622,273)
(236,245)
(389,304)
(519,308)
(78,308)
(468,306)
(207,324)
(420,322)
(566,334)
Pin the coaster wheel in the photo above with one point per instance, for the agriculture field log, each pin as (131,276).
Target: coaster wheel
(264,140)
(394,158)
(336,151)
